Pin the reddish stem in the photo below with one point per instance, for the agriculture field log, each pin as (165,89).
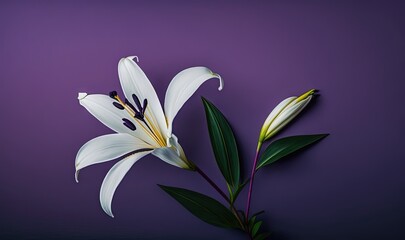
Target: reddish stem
(213,184)
(252,176)
(235,212)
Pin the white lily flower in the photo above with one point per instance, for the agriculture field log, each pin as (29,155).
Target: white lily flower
(283,113)
(141,125)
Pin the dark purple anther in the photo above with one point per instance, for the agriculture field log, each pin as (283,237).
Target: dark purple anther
(118,105)
(113,94)
(129,124)
(137,102)
(145,103)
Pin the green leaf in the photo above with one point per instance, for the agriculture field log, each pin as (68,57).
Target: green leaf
(253,225)
(285,146)
(256,228)
(239,188)
(252,221)
(206,208)
(223,143)
(262,236)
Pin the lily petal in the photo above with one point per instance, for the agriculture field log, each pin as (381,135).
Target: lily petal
(287,115)
(182,87)
(278,109)
(113,179)
(274,114)
(101,107)
(174,142)
(170,156)
(134,81)
(107,147)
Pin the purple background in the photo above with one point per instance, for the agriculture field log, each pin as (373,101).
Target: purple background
(349,186)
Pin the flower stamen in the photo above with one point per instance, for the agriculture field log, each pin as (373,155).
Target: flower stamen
(154,127)
(118,105)
(137,102)
(137,115)
(129,124)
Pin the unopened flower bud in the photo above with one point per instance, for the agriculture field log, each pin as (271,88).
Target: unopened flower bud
(283,113)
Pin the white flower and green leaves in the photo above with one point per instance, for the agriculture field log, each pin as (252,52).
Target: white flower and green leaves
(142,126)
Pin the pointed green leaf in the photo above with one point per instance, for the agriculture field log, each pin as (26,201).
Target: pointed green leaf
(256,228)
(252,221)
(262,236)
(239,188)
(223,143)
(285,146)
(203,207)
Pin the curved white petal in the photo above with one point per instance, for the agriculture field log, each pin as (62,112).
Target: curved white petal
(101,107)
(134,81)
(171,156)
(278,109)
(173,142)
(287,115)
(266,128)
(291,111)
(183,85)
(106,148)
(113,179)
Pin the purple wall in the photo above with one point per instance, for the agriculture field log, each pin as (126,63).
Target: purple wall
(349,186)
